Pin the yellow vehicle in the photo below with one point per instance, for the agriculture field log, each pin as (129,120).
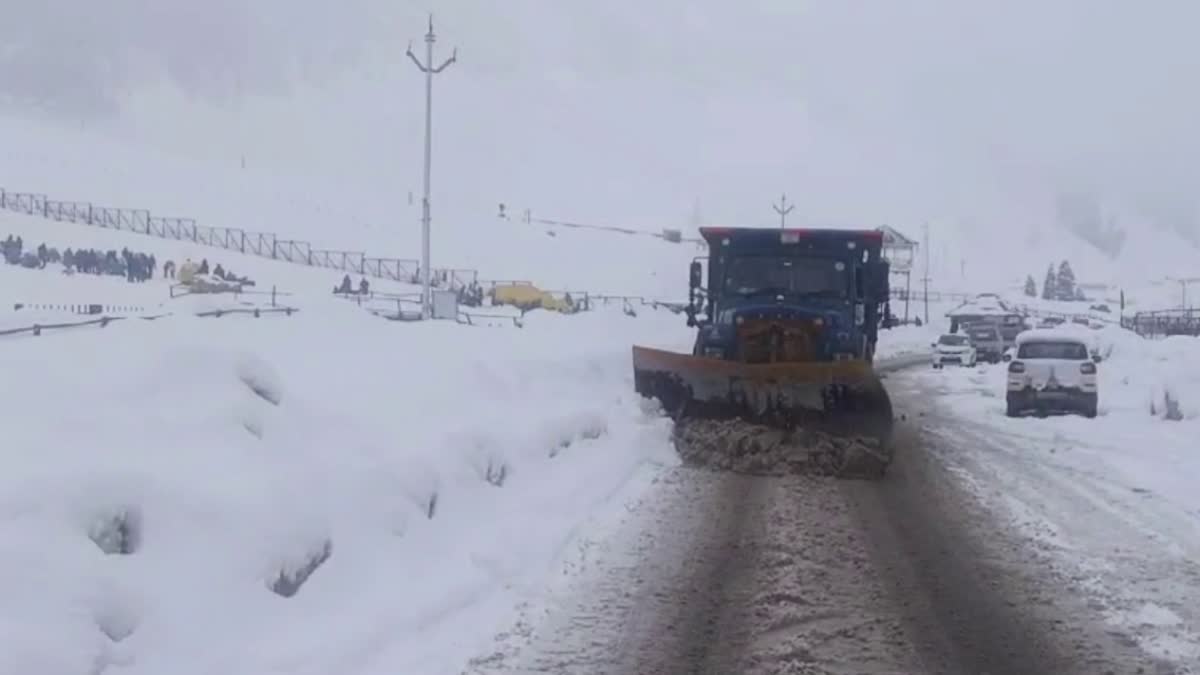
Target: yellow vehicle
(527,296)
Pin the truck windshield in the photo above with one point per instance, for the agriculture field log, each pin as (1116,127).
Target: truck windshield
(749,275)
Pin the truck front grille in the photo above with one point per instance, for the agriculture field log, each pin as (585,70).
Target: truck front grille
(776,341)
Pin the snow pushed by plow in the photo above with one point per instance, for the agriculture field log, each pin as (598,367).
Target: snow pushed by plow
(736,445)
(323,493)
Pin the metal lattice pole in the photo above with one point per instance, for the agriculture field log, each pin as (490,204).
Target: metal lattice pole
(430,71)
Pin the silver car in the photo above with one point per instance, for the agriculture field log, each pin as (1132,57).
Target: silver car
(988,343)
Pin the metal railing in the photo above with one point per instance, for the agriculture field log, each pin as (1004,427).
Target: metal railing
(261,244)
(36,329)
(1164,323)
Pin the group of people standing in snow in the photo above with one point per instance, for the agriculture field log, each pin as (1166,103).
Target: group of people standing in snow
(134,266)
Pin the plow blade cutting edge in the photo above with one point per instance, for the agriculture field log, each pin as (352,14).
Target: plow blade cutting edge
(830,418)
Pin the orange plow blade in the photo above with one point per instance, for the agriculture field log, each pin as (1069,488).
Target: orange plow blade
(832,418)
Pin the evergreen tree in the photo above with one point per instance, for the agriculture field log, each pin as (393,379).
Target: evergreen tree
(1050,285)
(1065,284)
(1030,286)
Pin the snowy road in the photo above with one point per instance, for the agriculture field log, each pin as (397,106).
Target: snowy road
(718,573)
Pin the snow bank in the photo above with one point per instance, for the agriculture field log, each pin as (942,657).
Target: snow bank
(163,478)
(907,340)
(1140,377)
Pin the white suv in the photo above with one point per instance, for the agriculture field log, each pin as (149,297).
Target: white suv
(1052,370)
(953,348)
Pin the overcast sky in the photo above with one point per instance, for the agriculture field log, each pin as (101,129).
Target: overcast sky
(627,109)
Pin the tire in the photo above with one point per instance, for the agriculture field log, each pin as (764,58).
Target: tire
(1012,405)
(1089,407)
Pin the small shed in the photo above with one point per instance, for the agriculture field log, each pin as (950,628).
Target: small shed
(987,308)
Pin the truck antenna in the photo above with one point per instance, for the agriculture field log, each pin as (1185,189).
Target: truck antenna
(783,209)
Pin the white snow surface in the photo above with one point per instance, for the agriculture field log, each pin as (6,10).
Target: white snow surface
(1111,500)
(378,424)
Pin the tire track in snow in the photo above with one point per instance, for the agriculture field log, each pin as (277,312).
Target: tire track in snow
(728,574)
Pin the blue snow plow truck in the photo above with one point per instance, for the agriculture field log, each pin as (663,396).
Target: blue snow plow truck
(787,323)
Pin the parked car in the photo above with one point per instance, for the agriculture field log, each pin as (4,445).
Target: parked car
(1052,371)
(955,349)
(987,341)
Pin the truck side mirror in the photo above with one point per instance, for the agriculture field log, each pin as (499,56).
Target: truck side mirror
(879,280)
(695,275)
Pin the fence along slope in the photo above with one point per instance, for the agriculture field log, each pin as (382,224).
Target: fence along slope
(261,244)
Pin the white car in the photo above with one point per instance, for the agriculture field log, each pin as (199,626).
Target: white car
(1052,370)
(954,349)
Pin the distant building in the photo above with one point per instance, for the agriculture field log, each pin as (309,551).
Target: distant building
(898,249)
(987,308)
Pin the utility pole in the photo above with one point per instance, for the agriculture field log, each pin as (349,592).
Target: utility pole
(783,209)
(430,71)
(925,230)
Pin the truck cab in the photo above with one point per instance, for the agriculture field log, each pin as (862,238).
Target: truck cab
(788,295)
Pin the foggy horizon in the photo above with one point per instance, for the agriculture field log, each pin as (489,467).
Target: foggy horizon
(860,111)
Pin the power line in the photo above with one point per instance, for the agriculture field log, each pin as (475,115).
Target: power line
(430,71)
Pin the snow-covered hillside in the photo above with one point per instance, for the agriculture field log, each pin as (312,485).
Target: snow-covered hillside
(335,212)
(73,165)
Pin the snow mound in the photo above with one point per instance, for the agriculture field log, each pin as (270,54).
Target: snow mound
(221,489)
